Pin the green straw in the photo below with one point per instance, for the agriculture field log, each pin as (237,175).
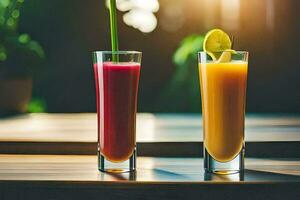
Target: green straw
(114,30)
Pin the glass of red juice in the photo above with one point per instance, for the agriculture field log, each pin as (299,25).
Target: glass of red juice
(117,78)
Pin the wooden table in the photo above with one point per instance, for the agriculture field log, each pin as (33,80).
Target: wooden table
(157,134)
(75,177)
(272,164)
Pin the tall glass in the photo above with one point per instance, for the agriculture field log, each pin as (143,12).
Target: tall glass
(117,78)
(223,93)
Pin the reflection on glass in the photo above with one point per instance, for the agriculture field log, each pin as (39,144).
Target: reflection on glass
(223,178)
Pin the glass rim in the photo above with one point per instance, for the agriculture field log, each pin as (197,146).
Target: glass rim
(239,52)
(123,52)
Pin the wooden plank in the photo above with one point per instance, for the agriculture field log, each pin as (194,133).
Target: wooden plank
(195,149)
(154,149)
(52,148)
(157,135)
(84,168)
(77,177)
(150,128)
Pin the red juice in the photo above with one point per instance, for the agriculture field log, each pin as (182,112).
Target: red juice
(116,91)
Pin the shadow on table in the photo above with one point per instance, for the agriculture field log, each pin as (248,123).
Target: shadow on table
(256,175)
(144,175)
(251,175)
(168,175)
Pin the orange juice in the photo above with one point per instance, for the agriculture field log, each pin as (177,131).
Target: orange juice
(223,92)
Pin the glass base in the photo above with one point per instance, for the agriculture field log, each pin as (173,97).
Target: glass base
(128,165)
(223,178)
(234,166)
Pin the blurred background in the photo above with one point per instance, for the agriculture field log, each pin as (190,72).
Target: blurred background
(47,45)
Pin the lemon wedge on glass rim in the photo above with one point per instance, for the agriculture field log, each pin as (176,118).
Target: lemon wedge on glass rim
(217,45)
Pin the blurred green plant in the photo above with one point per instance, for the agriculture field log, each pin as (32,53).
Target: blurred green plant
(183,90)
(19,54)
(37,105)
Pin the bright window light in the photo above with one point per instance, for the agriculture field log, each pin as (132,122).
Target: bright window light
(230,14)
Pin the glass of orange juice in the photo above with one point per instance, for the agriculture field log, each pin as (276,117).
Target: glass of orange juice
(223,93)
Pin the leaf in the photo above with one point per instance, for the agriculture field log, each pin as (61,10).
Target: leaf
(37,105)
(188,47)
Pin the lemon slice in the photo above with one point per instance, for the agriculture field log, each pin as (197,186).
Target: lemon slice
(226,56)
(215,42)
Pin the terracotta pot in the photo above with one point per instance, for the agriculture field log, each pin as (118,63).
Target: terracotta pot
(15,95)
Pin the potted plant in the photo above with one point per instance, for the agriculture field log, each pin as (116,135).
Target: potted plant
(185,78)
(19,58)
